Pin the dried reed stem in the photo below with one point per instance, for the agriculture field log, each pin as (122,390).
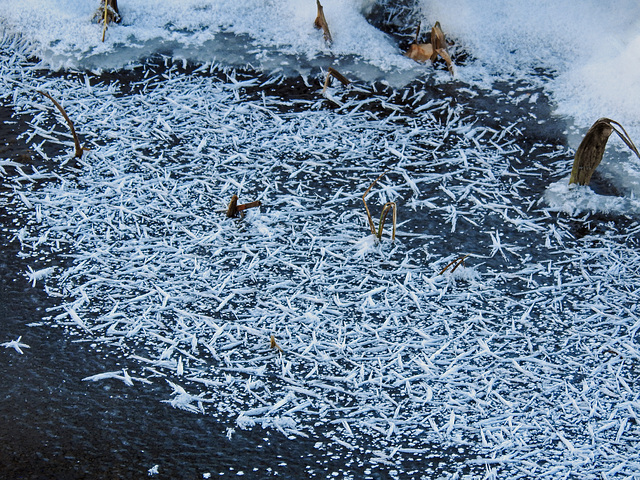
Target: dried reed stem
(234,209)
(336,74)
(457,262)
(104,28)
(383,215)
(79,149)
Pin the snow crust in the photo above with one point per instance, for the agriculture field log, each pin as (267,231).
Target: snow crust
(584,53)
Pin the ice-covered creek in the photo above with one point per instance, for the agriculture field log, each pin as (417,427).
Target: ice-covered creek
(523,360)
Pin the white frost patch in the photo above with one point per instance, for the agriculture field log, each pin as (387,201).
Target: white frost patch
(17,345)
(121,375)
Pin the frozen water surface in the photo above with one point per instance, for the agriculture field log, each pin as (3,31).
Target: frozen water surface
(524,358)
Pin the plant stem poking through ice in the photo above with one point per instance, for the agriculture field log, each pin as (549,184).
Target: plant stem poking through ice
(385,210)
(107,13)
(234,209)
(591,149)
(79,149)
(321,23)
(456,263)
(336,74)
(421,52)
(275,345)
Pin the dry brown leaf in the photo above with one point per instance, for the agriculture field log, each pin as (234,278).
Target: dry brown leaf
(445,56)
(590,152)
(420,52)
(437,37)
(591,149)
(321,23)
(275,345)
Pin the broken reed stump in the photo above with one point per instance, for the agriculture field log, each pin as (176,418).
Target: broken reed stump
(76,141)
(234,209)
(321,23)
(335,74)
(275,345)
(107,13)
(591,149)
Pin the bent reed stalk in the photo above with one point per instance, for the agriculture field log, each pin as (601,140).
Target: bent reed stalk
(385,210)
(76,141)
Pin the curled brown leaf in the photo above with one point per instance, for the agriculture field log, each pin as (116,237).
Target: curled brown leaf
(591,149)
(275,345)
(420,52)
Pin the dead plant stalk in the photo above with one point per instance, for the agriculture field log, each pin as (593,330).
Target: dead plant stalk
(76,141)
(332,72)
(456,263)
(385,210)
(234,209)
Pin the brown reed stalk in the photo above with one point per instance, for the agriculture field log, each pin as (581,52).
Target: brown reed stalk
(385,210)
(107,13)
(332,72)
(457,262)
(234,209)
(79,149)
